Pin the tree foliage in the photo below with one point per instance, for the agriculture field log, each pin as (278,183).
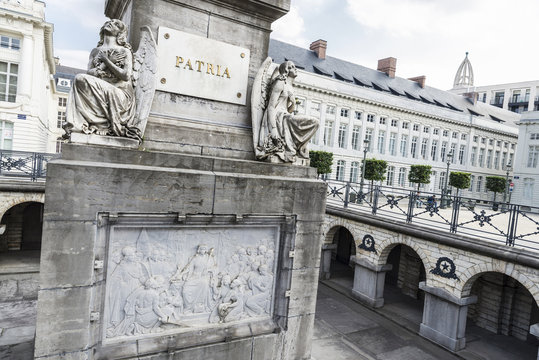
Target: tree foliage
(496,184)
(419,174)
(322,161)
(375,169)
(460,180)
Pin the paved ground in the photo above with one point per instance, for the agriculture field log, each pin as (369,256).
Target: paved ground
(345,329)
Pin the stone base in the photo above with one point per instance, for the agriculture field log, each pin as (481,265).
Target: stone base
(441,339)
(113,141)
(369,282)
(325,261)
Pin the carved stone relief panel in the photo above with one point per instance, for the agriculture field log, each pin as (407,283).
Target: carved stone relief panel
(162,278)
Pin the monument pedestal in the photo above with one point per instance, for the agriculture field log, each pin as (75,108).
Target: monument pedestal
(128,227)
(444,317)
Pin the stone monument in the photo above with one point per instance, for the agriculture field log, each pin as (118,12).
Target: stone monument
(162,236)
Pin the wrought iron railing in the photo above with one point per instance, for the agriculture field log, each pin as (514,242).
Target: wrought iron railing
(510,224)
(25,164)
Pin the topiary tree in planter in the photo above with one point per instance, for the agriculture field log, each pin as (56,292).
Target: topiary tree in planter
(420,174)
(459,180)
(375,171)
(495,184)
(322,161)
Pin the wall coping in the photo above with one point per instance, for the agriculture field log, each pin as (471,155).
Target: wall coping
(447,296)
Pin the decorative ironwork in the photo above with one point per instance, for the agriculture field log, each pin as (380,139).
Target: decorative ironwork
(445,267)
(482,218)
(368,243)
(24,164)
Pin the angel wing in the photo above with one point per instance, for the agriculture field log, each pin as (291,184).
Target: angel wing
(259,101)
(144,74)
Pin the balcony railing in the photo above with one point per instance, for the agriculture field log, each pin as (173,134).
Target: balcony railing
(24,164)
(505,223)
(497,102)
(517,99)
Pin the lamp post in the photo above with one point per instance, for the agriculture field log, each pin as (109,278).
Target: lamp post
(365,149)
(444,193)
(508,168)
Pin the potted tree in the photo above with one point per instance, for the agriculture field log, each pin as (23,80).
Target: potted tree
(420,174)
(322,161)
(495,184)
(375,171)
(459,180)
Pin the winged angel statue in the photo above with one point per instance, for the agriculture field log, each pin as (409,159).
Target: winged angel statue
(115,95)
(279,133)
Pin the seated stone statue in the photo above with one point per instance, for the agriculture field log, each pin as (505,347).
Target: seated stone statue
(279,134)
(114,97)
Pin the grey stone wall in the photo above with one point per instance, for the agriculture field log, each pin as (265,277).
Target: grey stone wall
(409,272)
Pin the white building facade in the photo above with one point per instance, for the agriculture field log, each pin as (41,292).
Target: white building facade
(26,82)
(405,122)
(526,166)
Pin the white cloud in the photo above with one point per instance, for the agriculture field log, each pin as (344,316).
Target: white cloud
(290,28)
(88,13)
(73,58)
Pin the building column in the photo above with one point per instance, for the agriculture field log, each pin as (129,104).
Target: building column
(534,330)
(24,86)
(325,260)
(369,282)
(444,317)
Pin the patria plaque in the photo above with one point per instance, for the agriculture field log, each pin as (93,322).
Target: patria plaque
(197,66)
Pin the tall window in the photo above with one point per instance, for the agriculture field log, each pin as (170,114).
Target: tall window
(59,146)
(356,132)
(472,180)
(404,144)
(368,136)
(402,177)
(489,158)
(340,170)
(527,191)
(462,149)
(381,139)
(481,159)
(6,135)
(413,147)
(8,42)
(453,153)
(62,101)
(443,151)
(342,135)
(533,154)
(61,118)
(504,160)
(433,149)
(511,157)
(479,183)
(497,159)
(473,155)
(328,132)
(441,185)
(424,143)
(330,109)
(354,170)
(8,81)
(390,175)
(392,144)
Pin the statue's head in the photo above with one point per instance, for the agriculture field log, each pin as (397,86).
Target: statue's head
(288,68)
(202,249)
(115,28)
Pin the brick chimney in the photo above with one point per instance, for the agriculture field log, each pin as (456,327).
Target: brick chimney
(388,65)
(319,47)
(420,80)
(472,96)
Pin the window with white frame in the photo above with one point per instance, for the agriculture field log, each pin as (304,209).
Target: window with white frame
(483,140)
(455,135)
(504,160)
(473,154)
(394,123)
(61,119)
(403,146)
(443,151)
(415,127)
(475,138)
(472,180)
(462,150)
(328,132)
(354,171)
(356,136)
(62,101)
(426,129)
(497,159)
(344,113)
(59,146)
(370,118)
(368,137)
(511,155)
(445,133)
(534,136)
(339,174)
(381,141)
(479,184)
(413,147)
(405,125)
(6,135)
(424,144)
(453,153)
(441,185)
(8,42)
(330,109)
(434,150)
(8,81)
(489,158)
(498,143)
(315,106)
(402,177)
(481,159)
(512,146)
(342,135)
(382,120)
(490,141)
(463,136)
(390,175)
(357,115)
(527,190)
(533,155)
(393,144)
(435,131)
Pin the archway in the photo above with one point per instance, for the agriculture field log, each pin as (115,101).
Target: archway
(340,259)
(21,227)
(498,323)
(402,296)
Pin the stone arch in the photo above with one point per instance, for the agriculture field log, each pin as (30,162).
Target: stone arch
(388,245)
(20,198)
(464,287)
(331,228)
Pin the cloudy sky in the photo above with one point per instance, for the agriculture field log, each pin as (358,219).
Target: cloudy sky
(428,37)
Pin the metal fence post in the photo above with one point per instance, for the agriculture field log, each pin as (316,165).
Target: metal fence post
(455,214)
(375,200)
(411,204)
(512,226)
(346,194)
